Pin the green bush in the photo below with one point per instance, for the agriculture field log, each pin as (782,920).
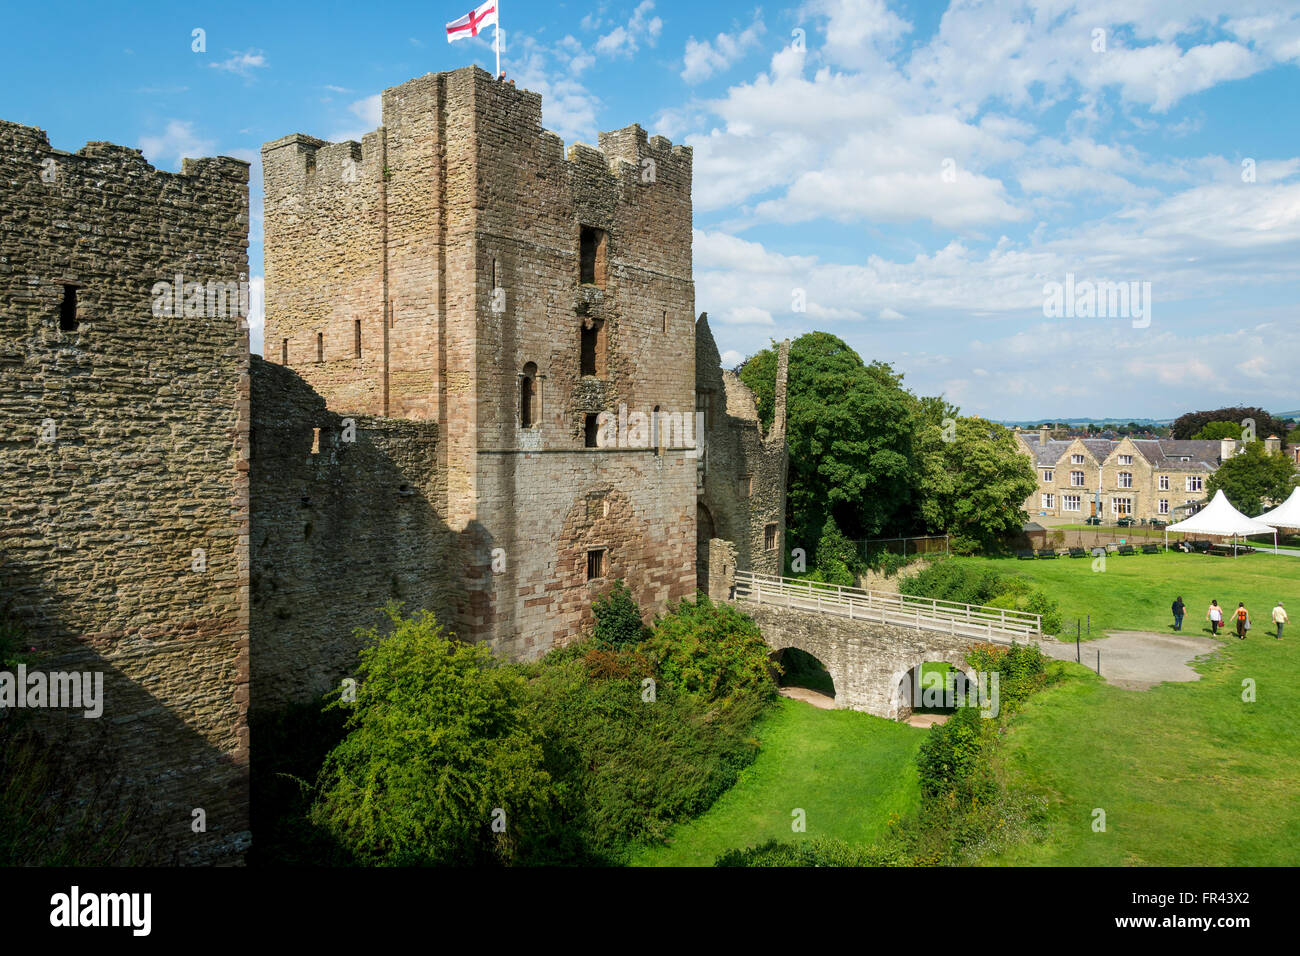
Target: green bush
(957,581)
(441,765)
(618,619)
(1021,668)
(950,755)
(819,852)
(627,763)
(712,651)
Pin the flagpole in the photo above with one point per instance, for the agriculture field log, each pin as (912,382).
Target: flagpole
(496,36)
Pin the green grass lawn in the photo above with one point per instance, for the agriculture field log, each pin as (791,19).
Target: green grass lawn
(847,771)
(1134,592)
(1187,774)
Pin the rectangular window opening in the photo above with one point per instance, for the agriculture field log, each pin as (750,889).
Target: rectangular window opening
(591,255)
(68,309)
(356,338)
(284,352)
(595,564)
(769,538)
(320,346)
(590,429)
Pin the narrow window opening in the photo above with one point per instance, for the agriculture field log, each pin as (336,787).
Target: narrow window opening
(320,346)
(592,341)
(356,338)
(769,538)
(284,352)
(595,564)
(68,309)
(654,432)
(665,321)
(315,441)
(590,430)
(591,254)
(527,396)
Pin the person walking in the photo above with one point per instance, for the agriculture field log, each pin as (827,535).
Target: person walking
(1215,616)
(1279,618)
(1179,609)
(1242,617)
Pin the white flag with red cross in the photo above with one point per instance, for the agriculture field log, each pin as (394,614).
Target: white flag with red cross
(471,23)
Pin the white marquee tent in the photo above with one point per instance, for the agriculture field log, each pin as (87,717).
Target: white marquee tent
(1285,515)
(1219,517)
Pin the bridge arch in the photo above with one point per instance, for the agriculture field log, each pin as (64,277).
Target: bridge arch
(804,669)
(905,680)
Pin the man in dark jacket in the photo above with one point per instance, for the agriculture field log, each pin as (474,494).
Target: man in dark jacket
(1179,609)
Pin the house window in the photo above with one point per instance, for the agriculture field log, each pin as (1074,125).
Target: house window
(1076,459)
(356,338)
(68,309)
(1126,459)
(769,537)
(1126,479)
(591,253)
(284,352)
(1164,482)
(1070,503)
(1164,506)
(1047,474)
(1194,482)
(1049,500)
(593,340)
(595,564)
(528,396)
(1076,479)
(1121,506)
(590,430)
(320,346)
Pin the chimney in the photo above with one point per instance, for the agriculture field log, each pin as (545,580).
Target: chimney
(1042,436)
(782,372)
(1227,448)
(1272,444)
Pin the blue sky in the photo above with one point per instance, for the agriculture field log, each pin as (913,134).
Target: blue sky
(916,174)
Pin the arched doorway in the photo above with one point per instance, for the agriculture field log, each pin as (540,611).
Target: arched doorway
(703,534)
(804,677)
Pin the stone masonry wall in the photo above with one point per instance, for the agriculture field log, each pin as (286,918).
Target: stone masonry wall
(123,487)
(744,483)
(337,532)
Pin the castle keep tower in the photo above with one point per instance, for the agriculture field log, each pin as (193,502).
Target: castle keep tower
(456,266)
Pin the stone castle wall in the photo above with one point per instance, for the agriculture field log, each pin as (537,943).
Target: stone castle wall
(124,512)
(453,233)
(743,488)
(337,533)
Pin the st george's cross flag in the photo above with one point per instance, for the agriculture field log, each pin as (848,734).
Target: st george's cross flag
(470,24)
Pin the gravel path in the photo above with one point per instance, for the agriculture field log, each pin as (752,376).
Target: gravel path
(1138,660)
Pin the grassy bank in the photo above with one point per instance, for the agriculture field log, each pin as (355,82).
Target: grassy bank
(849,772)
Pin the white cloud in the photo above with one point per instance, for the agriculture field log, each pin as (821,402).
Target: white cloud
(242,64)
(176,142)
(626,40)
(703,58)
(731,358)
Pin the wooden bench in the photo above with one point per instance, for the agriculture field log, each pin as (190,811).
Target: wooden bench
(1150,549)
(1025,554)
(1078,553)
(1047,552)
(1126,549)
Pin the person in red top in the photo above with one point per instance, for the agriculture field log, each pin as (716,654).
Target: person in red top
(1243,620)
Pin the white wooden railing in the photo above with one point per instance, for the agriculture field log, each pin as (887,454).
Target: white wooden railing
(993,624)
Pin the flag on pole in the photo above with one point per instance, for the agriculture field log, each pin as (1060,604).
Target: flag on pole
(470,24)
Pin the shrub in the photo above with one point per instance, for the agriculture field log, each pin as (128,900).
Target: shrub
(712,651)
(618,619)
(819,852)
(949,757)
(954,581)
(440,764)
(1021,668)
(837,555)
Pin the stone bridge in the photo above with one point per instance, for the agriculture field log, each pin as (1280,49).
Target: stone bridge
(872,644)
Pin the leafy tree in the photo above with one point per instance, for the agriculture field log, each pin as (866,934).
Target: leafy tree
(440,765)
(836,557)
(973,483)
(1213,431)
(851,430)
(1185,426)
(618,619)
(710,651)
(1252,476)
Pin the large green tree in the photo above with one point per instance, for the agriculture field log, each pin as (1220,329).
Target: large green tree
(851,429)
(1252,476)
(974,481)
(1214,431)
(1185,426)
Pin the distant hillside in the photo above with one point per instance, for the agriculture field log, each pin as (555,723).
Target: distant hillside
(1104,422)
